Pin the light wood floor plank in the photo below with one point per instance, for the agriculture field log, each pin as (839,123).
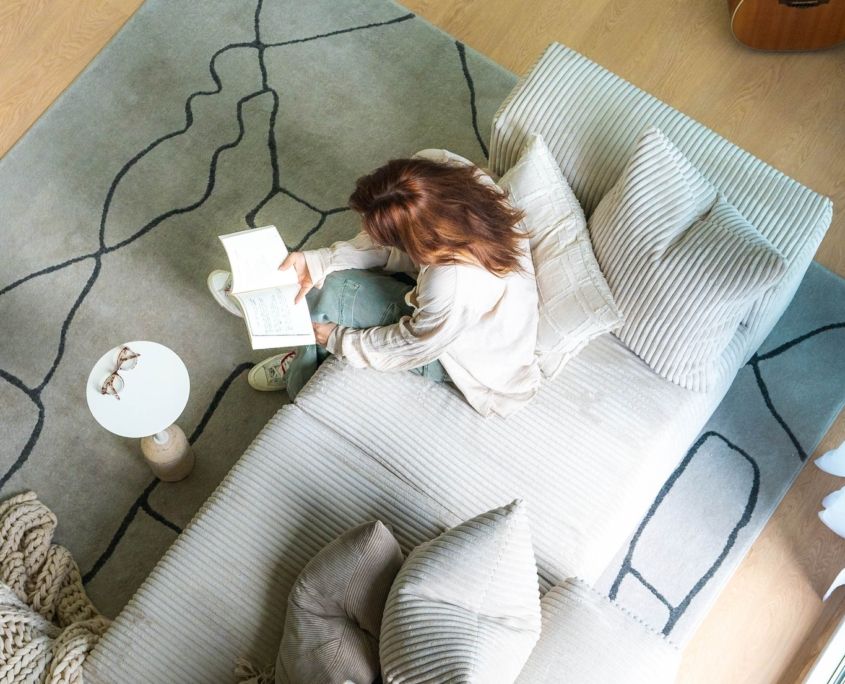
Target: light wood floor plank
(44,44)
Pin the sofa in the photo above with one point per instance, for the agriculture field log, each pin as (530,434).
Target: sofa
(588,455)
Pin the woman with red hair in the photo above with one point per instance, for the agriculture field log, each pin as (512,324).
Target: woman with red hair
(470,318)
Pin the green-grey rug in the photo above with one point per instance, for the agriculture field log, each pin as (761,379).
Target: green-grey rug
(198,119)
(202,118)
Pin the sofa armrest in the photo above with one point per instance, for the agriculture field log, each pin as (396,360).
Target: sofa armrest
(586,638)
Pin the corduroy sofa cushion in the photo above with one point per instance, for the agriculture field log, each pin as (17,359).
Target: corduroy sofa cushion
(334,611)
(465,606)
(684,272)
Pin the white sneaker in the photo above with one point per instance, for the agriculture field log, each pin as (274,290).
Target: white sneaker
(220,284)
(269,375)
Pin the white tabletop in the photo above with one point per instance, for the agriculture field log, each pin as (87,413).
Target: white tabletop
(154,394)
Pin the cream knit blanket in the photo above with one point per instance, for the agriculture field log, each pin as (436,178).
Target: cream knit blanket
(47,623)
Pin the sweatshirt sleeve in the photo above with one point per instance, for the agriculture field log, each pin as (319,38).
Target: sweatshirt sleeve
(359,252)
(415,340)
(447,157)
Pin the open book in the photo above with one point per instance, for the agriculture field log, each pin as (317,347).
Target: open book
(264,293)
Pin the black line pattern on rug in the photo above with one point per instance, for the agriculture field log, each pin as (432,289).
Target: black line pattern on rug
(121,530)
(767,400)
(143,500)
(755,361)
(648,585)
(276,187)
(675,612)
(472,105)
(396,20)
(35,398)
(34,394)
(786,346)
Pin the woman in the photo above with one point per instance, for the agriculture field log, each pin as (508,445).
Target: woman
(471,318)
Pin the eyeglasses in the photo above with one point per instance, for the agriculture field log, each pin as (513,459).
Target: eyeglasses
(113,384)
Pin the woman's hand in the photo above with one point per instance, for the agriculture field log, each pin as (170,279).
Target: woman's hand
(322,331)
(297,261)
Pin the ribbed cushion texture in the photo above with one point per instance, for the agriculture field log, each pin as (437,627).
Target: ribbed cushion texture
(334,611)
(684,276)
(221,590)
(589,453)
(575,302)
(588,639)
(465,606)
(590,118)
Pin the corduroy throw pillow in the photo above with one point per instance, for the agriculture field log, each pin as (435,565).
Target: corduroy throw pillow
(465,607)
(335,610)
(683,265)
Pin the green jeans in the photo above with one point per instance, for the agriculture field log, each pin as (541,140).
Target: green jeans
(357,299)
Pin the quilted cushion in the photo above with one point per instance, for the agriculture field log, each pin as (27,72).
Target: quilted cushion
(587,638)
(575,303)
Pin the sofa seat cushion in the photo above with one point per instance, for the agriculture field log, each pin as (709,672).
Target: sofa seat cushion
(587,455)
(586,638)
(221,590)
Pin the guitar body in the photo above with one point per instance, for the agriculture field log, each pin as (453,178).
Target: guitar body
(788,24)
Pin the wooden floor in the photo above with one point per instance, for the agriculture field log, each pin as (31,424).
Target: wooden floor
(786,109)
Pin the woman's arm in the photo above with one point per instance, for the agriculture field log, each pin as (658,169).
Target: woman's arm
(359,252)
(413,341)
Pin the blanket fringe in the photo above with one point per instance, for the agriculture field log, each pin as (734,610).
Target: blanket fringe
(247,673)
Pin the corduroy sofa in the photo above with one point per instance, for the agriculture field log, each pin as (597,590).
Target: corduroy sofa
(588,455)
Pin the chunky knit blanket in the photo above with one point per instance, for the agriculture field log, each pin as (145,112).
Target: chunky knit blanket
(47,623)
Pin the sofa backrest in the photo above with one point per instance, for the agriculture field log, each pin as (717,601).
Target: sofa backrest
(591,118)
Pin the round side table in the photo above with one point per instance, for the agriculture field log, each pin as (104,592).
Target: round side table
(152,398)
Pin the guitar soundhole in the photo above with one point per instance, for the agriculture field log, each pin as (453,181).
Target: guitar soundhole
(803,4)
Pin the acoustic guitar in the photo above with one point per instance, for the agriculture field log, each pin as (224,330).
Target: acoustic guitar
(788,24)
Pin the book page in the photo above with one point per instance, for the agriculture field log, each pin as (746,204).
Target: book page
(254,256)
(273,313)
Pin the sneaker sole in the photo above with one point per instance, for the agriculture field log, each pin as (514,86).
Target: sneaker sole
(250,378)
(220,297)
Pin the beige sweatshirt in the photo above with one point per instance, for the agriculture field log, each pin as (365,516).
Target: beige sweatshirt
(482,327)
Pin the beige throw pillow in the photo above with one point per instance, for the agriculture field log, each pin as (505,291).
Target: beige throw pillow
(684,266)
(335,610)
(575,303)
(465,606)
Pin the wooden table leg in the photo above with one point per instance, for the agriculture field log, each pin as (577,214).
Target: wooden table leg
(168,454)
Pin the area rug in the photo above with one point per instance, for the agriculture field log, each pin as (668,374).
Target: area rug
(198,119)
(204,118)
(716,502)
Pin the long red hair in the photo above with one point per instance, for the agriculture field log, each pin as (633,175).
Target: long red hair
(438,214)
